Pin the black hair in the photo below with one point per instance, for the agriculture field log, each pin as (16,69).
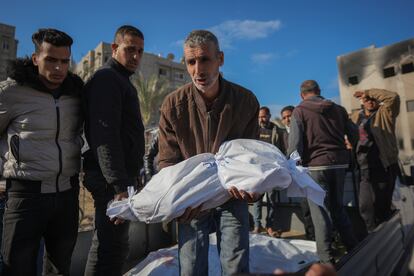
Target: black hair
(128,29)
(265,108)
(55,37)
(287,108)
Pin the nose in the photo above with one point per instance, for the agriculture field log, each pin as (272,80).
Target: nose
(136,56)
(198,67)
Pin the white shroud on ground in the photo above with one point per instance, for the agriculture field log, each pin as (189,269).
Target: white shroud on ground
(266,254)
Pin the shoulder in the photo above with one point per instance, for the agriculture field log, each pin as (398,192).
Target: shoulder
(102,80)
(298,109)
(9,88)
(342,110)
(8,84)
(105,74)
(239,90)
(243,98)
(177,98)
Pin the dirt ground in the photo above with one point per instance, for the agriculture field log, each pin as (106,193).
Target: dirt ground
(87,210)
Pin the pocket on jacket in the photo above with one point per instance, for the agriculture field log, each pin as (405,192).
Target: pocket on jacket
(15,148)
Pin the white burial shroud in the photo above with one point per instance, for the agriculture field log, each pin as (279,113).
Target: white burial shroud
(250,165)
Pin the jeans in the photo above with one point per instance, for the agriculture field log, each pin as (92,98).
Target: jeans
(28,217)
(307,220)
(271,210)
(109,247)
(231,221)
(375,194)
(334,215)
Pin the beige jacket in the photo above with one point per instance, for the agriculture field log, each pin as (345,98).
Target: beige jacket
(383,124)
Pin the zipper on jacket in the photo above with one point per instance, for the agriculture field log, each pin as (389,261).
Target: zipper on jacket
(57,143)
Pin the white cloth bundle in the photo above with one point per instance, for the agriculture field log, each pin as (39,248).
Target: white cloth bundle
(250,165)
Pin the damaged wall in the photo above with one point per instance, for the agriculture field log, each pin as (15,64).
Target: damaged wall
(390,67)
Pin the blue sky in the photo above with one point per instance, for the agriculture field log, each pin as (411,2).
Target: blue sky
(270,46)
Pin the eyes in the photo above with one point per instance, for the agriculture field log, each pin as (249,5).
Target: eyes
(134,50)
(56,60)
(202,59)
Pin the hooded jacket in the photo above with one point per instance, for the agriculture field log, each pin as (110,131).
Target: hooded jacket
(318,128)
(40,129)
(383,124)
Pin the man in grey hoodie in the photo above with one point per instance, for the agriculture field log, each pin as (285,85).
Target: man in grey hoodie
(317,131)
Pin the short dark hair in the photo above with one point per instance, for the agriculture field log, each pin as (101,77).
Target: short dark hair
(310,86)
(287,108)
(55,37)
(265,108)
(127,29)
(201,37)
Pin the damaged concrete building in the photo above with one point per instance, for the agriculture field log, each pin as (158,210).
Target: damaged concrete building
(8,48)
(390,67)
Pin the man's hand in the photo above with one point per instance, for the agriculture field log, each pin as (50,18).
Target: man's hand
(348,144)
(243,195)
(321,270)
(314,270)
(119,197)
(189,214)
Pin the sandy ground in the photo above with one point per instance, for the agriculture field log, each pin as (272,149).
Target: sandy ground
(87,210)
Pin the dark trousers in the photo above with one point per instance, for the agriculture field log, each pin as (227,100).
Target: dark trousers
(30,216)
(109,248)
(375,194)
(334,215)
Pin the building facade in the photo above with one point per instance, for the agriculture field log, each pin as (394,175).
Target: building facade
(390,67)
(174,73)
(151,64)
(8,48)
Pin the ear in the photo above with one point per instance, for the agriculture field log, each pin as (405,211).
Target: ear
(302,96)
(114,47)
(34,59)
(221,58)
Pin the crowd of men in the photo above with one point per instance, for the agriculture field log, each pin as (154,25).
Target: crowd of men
(44,109)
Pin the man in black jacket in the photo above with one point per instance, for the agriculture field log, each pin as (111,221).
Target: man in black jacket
(115,135)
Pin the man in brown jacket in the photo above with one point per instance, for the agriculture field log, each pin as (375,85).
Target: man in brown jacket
(376,123)
(198,118)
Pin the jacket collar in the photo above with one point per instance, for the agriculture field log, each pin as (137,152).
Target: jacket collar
(218,103)
(113,63)
(24,72)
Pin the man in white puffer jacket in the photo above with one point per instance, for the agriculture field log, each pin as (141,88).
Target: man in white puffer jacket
(40,130)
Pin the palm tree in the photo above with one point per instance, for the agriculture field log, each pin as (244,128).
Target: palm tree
(151,93)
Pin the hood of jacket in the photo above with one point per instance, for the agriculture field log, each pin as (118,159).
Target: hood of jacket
(24,72)
(317,104)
